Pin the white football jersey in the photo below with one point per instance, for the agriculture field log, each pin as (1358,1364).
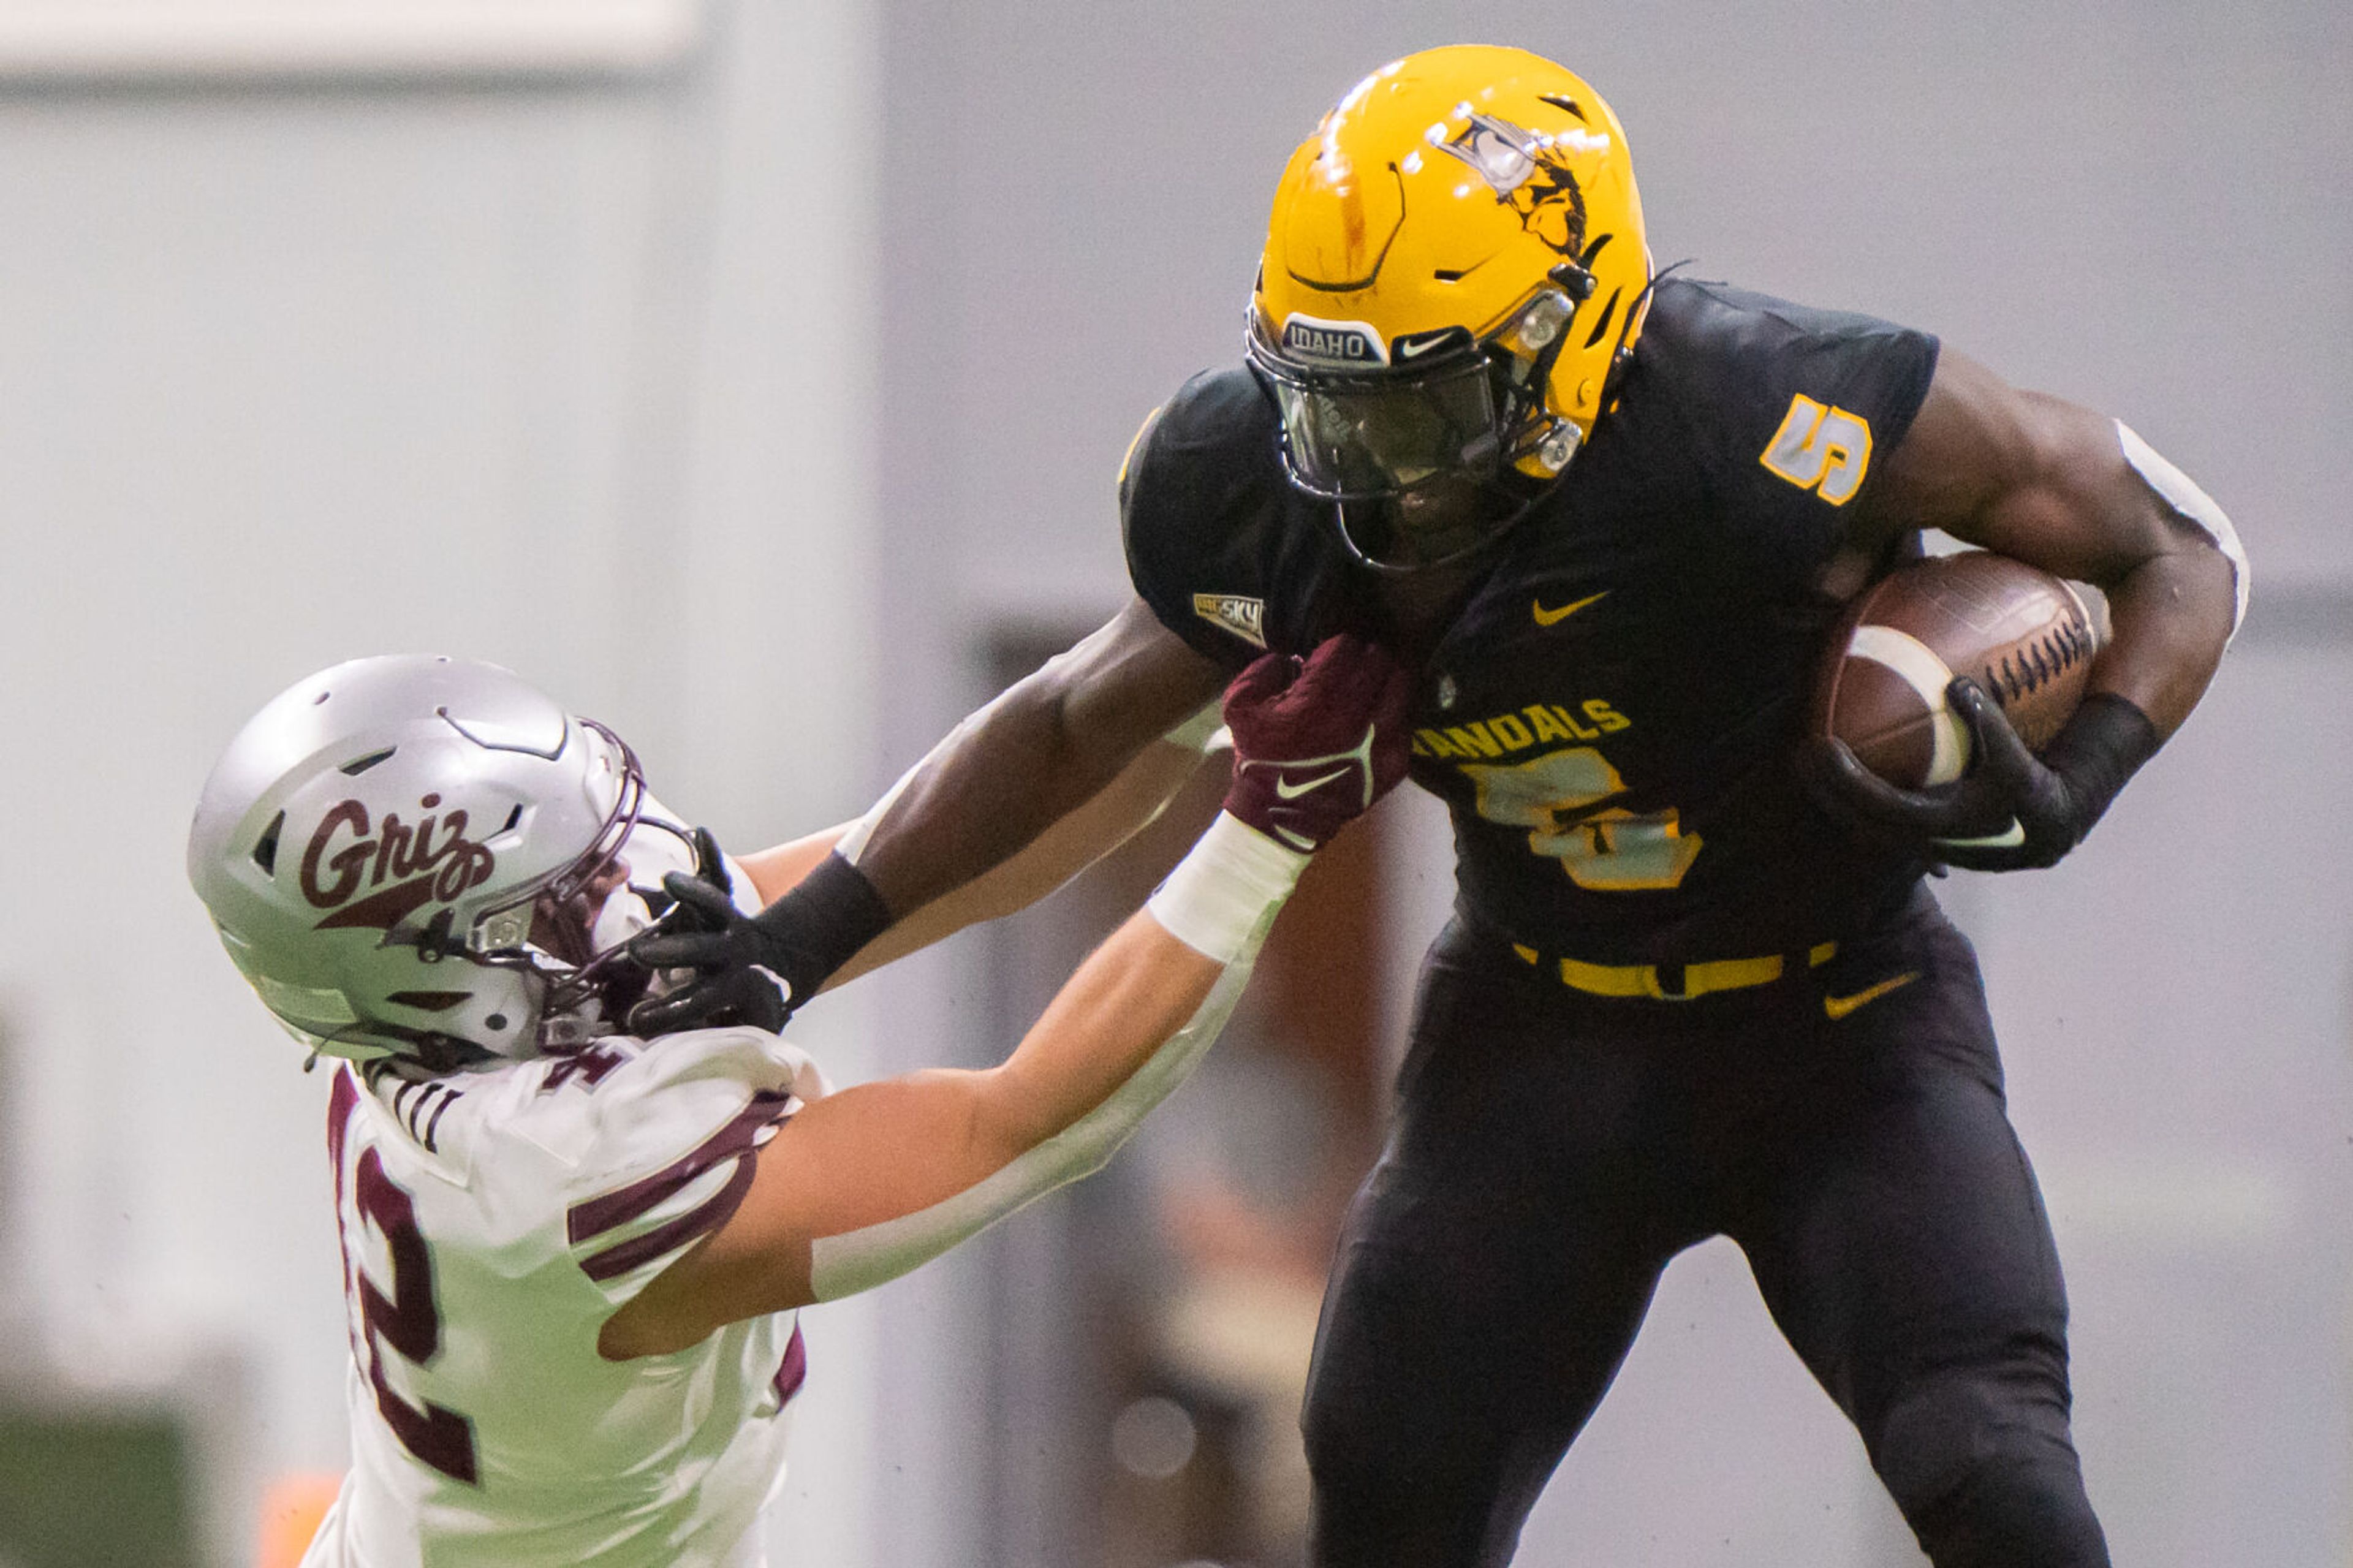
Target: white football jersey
(492,1222)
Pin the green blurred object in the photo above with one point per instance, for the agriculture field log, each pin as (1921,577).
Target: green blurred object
(94,1489)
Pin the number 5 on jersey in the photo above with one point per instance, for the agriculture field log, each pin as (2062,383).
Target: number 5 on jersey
(1820,448)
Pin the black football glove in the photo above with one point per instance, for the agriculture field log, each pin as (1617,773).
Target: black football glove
(696,907)
(2012,810)
(752,969)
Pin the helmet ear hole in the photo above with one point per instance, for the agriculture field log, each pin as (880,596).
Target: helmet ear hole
(359,765)
(264,851)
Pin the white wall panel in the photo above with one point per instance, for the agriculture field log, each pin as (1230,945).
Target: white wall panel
(141,39)
(568,377)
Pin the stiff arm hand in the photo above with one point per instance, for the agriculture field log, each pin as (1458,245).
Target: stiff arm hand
(865,1185)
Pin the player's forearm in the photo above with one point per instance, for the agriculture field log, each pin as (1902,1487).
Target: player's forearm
(2170,618)
(994,787)
(925,1137)
(1136,797)
(1129,803)
(991,788)
(2077,493)
(1049,744)
(1131,996)
(2172,582)
(1128,1028)
(844,1261)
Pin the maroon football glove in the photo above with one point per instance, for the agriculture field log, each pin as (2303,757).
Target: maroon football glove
(1316,740)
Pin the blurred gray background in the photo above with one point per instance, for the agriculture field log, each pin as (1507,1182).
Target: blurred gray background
(751,375)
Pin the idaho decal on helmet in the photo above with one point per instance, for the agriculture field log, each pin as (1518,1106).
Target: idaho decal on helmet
(1470,214)
(1341,345)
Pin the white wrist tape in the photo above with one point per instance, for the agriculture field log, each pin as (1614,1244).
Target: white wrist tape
(860,1259)
(1227,890)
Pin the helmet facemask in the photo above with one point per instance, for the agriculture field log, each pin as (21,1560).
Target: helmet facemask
(544,932)
(1426,464)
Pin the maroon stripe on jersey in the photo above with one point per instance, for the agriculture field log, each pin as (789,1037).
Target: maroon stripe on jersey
(793,1371)
(343,1100)
(449,1099)
(416,1111)
(669,1237)
(597,1215)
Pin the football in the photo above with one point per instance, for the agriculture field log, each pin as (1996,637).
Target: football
(2025,635)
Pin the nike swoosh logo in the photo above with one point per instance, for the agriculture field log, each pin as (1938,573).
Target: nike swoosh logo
(1415,351)
(2008,838)
(1840,1006)
(1286,790)
(1554,617)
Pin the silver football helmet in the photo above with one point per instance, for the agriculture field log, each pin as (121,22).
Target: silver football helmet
(391,848)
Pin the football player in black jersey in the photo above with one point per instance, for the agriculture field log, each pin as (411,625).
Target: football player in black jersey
(1694,985)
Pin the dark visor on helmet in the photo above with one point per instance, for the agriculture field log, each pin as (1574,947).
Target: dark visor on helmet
(1374,437)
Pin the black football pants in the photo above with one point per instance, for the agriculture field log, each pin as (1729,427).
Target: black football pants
(1553,1151)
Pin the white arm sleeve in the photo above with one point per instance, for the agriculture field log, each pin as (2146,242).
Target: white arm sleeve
(860,1259)
(2180,492)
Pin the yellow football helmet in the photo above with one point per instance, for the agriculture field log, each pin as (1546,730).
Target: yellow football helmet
(1454,262)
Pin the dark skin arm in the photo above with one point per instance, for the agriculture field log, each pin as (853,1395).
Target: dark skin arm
(1048,745)
(2043,480)
(1034,758)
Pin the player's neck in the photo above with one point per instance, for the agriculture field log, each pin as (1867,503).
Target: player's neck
(1421,605)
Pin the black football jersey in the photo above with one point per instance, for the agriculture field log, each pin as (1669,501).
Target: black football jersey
(1611,713)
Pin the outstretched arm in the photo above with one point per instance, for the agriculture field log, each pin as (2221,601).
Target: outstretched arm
(1130,803)
(1046,747)
(1051,743)
(865,1185)
(877,1153)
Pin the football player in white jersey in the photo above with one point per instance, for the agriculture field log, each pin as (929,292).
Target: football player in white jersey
(572,1256)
